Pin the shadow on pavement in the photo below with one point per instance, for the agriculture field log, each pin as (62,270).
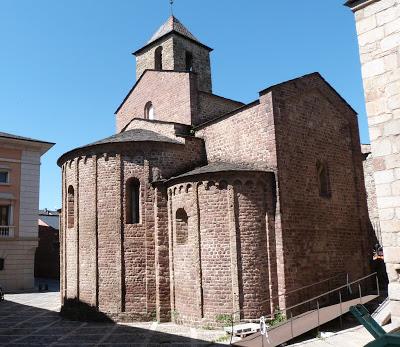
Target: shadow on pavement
(23,325)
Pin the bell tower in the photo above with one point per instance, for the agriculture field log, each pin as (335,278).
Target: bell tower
(175,48)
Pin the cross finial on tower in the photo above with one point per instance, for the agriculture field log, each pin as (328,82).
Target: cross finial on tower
(171,2)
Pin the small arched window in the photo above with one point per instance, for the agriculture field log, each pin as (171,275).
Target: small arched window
(158,58)
(71,207)
(149,111)
(189,61)
(323,179)
(133,201)
(181,219)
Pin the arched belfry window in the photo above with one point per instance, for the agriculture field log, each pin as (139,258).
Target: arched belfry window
(71,207)
(158,58)
(181,220)
(189,61)
(323,179)
(133,201)
(149,111)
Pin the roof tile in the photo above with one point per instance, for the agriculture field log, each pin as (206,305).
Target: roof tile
(172,24)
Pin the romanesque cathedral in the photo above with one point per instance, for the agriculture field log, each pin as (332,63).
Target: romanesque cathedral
(200,206)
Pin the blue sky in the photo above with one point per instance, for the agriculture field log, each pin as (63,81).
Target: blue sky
(66,65)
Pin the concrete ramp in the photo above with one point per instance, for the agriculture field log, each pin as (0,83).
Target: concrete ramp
(301,324)
(382,313)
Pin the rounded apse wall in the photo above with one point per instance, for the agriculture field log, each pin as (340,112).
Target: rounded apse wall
(219,246)
(108,258)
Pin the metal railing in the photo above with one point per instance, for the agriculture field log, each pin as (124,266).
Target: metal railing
(7,231)
(235,319)
(288,293)
(288,311)
(317,300)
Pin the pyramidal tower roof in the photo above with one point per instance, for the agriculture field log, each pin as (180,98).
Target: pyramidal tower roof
(172,25)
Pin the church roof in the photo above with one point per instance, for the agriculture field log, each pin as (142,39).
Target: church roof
(134,135)
(219,167)
(172,25)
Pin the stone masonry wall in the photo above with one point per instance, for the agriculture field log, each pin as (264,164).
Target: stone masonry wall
(251,200)
(378,29)
(187,294)
(87,231)
(108,263)
(213,204)
(212,106)
(371,192)
(223,266)
(323,236)
(201,62)
(174,50)
(163,89)
(71,238)
(243,136)
(109,233)
(168,129)
(146,60)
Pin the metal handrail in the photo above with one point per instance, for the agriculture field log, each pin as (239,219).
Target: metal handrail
(305,287)
(291,319)
(329,292)
(292,291)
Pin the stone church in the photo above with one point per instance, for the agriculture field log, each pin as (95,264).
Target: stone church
(201,205)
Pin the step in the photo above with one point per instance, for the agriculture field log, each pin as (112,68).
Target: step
(243,330)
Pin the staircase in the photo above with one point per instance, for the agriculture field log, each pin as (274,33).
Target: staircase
(304,322)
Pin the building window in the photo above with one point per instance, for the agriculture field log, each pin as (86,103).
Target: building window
(71,207)
(133,201)
(1,264)
(149,111)
(181,219)
(158,58)
(5,214)
(4,177)
(323,179)
(189,61)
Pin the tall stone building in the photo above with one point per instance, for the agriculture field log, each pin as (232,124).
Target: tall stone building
(200,205)
(378,28)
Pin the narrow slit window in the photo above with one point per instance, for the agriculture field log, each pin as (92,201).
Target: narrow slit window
(181,220)
(149,111)
(71,207)
(133,202)
(189,61)
(323,180)
(158,58)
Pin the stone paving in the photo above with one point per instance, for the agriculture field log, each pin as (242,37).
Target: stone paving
(353,337)
(33,320)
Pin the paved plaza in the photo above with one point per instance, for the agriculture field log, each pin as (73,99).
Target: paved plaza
(33,320)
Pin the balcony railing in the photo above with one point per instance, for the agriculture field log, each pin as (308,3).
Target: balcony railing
(6,231)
